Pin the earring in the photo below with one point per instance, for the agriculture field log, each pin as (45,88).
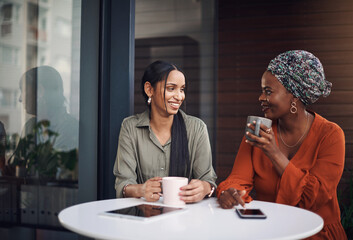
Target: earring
(293,108)
(149,100)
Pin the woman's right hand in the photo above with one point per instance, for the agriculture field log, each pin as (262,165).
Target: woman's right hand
(231,197)
(151,189)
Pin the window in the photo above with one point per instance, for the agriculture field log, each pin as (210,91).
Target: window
(9,55)
(39,92)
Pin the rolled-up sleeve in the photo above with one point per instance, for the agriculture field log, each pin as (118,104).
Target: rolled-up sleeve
(201,156)
(125,162)
(242,174)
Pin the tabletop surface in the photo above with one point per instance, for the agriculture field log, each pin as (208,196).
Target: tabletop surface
(203,220)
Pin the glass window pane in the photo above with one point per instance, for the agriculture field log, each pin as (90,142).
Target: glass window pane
(39,110)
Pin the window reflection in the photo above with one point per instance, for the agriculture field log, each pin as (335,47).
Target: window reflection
(39,109)
(50,131)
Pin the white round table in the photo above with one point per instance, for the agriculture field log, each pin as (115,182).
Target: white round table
(203,220)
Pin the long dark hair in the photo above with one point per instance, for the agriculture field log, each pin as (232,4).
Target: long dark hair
(179,154)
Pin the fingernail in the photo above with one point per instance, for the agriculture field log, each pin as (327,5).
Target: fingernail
(248,124)
(247,133)
(246,141)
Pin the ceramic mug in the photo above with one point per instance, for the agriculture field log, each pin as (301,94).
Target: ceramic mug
(265,121)
(171,189)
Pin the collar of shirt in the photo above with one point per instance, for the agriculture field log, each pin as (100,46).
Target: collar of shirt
(144,121)
(144,118)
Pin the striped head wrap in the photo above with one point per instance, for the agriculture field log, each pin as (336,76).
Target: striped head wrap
(302,74)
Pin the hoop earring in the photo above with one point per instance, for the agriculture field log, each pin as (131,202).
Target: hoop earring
(149,101)
(293,108)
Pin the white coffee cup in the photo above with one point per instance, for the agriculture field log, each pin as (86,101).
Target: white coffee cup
(171,189)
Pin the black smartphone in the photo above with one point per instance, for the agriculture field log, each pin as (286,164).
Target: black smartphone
(250,213)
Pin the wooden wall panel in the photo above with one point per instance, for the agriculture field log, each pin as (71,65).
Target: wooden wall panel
(251,33)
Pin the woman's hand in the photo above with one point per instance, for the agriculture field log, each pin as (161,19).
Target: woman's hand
(151,189)
(267,143)
(231,197)
(195,191)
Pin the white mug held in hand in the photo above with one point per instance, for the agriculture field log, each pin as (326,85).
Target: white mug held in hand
(171,189)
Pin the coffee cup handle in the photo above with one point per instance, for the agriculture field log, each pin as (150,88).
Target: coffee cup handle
(257,127)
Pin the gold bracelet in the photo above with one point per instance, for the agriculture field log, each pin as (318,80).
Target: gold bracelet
(212,190)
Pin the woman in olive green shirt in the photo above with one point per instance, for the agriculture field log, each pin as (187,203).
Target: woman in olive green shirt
(163,141)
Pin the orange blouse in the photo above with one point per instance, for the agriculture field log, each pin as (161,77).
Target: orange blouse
(309,181)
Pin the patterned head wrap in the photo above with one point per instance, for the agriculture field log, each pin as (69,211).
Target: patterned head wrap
(302,74)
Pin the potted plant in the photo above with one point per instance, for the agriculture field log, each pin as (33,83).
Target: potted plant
(22,154)
(44,159)
(36,153)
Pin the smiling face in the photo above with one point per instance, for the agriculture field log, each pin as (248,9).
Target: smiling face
(168,97)
(275,99)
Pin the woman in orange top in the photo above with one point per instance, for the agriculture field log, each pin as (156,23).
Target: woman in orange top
(300,160)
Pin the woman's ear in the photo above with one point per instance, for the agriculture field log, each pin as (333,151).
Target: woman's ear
(295,99)
(148,89)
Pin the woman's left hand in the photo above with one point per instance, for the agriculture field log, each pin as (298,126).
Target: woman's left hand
(195,191)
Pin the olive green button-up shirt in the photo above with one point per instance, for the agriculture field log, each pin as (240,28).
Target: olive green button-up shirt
(140,155)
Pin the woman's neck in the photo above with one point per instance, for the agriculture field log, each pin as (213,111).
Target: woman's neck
(295,122)
(161,126)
